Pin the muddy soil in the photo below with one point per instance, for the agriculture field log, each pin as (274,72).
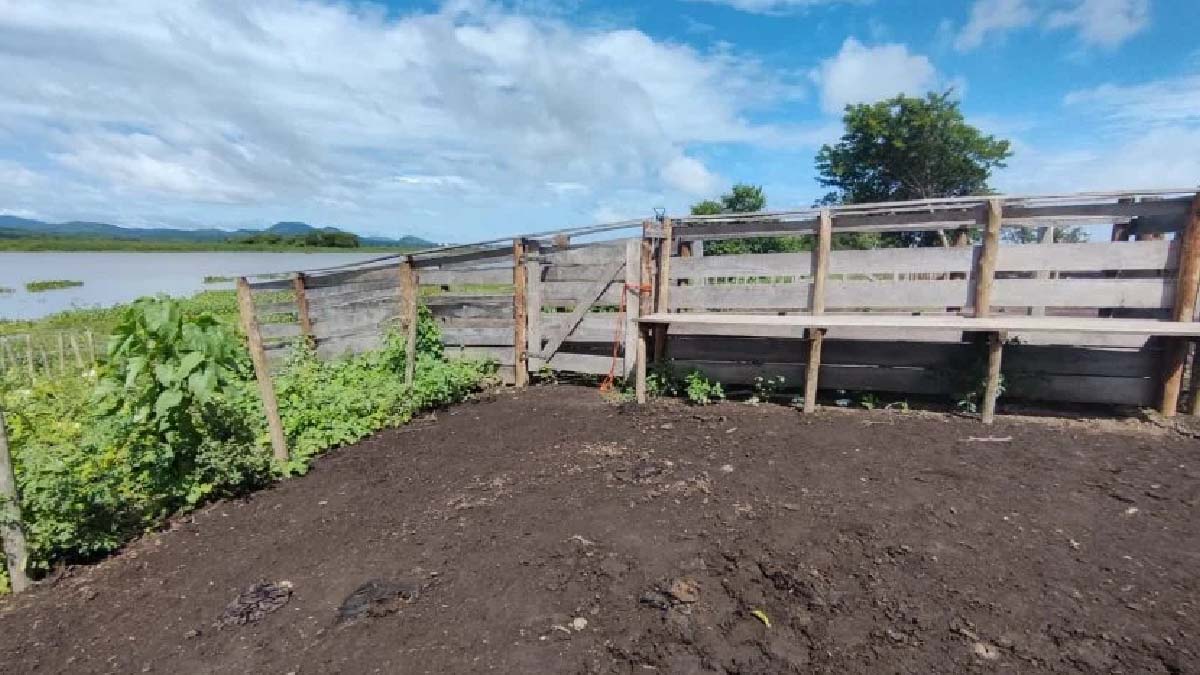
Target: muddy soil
(550,531)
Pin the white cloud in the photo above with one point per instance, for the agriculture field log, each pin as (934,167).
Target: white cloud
(1103,23)
(862,74)
(691,176)
(1145,135)
(777,6)
(278,104)
(993,16)
(1096,23)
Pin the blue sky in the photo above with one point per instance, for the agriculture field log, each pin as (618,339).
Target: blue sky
(469,119)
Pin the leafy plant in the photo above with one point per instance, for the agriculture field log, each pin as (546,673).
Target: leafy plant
(699,390)
(661,380)
(869,401)
(767,388)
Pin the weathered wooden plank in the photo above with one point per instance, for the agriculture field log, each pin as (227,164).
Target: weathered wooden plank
(350,290)
(564,293)
(593,327)
(477,336)
(501,355)
(457,258)
(590,295)
(271,331)
(469,298)
(273,308)
(580,273)
(451,277)
(1183,309)
(357,276)
(1124,210)
(472,310)
(631,299)
(520,282)
(582,363)
(266,388)
(591,254)
(343,345)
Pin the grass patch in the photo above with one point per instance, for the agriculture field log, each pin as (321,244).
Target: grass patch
(50,285)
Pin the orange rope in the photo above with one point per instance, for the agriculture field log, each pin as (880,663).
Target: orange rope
(618,339)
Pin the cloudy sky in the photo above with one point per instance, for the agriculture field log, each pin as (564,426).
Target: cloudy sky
(467,119)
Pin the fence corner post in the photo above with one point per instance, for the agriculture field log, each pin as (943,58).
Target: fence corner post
(520,314)
(662,304)
(816,336)
(262,373)
(12,533)
(410,290)
(1186,285)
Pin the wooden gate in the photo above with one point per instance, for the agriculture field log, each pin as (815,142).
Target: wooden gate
(583,308)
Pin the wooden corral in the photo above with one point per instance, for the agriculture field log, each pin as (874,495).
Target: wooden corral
(547,303)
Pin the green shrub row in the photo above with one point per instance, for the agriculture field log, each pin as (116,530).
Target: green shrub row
(173,419)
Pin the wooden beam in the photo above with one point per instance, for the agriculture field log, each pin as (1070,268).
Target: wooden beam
(639,386)
(301,294)
(817,336)
(266,388)
(991,391)
(12,532)
(632,298)
(533,300)
(662,294)
(1187,283)
(985,267)
(409,289)
(520,314)
(562,242)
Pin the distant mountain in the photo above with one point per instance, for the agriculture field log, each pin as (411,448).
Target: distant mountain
(15,227)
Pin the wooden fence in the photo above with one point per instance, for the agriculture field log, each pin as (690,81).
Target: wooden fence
(25,355)
(540,302)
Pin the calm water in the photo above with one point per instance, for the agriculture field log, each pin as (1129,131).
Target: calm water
(115,277)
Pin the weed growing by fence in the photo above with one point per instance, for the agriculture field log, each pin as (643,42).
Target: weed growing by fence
(172,419)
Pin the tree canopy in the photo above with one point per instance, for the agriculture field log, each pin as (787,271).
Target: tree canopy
(743,198)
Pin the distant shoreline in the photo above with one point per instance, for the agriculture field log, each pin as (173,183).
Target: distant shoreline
(84,244)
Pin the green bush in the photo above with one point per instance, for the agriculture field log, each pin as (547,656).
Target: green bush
(700,390)
(173,419)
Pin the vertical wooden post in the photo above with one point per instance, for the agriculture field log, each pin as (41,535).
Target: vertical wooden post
(299,290)
(645,306)
(639,385)
(991,391)
(62,354)
(662,292)
(12,532)
(409,316)
(91,345)
(266,388)
(561,242)
(816,336)
(985,269)
(29,357)
(633,303)
(77,352)
(520,315)
(1045,236)
(533,304)
(1187,283)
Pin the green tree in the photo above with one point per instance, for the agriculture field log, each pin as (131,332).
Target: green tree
(743,198)
(908,148)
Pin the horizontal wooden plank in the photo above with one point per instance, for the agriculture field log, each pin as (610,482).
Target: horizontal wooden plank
(443,277)
(273,308)
(1133,255)
(472,310)
(501,355)
(389,273)
(564,293)
(596,254)
(457,257)
(1133,293)
(278,330)
(270,285)
(505,322)
(333,347)
(577,272)
(476,336)
(584,363)
(443,299)
(593,327)
(1119,211)
(351,290)
(943,321)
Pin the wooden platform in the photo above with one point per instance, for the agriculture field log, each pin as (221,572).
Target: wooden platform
(991,324)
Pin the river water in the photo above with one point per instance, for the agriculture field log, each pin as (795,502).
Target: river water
(112,277)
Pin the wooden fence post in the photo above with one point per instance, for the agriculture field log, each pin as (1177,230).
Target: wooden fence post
(266,388)
(91,345)
(62,354)
(533,303)
(633,308)
(985,273)
(520,314)
(301,293)
(662,293)
(410,289)
(646,300)
(29,357)
(816,336)
(77,352)
(11,530)
(1186,285)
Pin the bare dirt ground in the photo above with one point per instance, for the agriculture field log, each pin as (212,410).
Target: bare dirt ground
(548,531)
